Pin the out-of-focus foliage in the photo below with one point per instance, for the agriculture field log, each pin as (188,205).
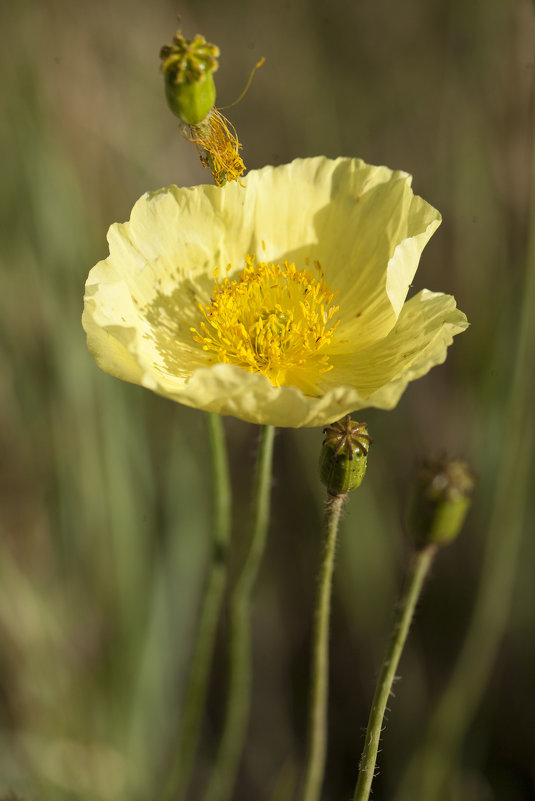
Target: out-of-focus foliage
(105,488)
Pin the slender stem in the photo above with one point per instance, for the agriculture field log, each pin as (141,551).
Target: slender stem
(317,734)
(195,695)
(433,764)
(224,772)
(417,572)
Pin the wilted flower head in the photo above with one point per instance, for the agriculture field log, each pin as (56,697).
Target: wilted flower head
(188,66)
(218,147)
(282,301)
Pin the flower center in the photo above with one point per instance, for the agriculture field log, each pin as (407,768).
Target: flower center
(273,319)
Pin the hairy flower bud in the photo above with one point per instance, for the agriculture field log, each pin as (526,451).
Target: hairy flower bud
(442,500)
(344,455)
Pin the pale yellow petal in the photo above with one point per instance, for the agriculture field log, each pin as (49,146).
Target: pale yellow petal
(424,330)
(136,343)
(363,224)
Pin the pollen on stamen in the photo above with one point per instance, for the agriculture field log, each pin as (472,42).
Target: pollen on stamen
(218,147)
(271,319)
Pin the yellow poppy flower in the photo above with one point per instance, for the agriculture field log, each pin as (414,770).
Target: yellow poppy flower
(280,301)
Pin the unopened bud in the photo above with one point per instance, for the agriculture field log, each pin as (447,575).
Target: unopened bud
(344,455)
(442,500)
(187,66)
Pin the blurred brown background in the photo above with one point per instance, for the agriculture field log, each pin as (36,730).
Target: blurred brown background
(105,490)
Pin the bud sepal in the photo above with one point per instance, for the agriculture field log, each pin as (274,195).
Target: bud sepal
(442,501)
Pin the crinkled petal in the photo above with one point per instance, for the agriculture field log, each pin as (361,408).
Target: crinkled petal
(425,328)
(363,224)
(420,340)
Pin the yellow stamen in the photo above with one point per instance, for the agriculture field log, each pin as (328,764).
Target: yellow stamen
(273,319)
(218,147)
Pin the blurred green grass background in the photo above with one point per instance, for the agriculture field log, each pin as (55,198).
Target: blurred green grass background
(105,490)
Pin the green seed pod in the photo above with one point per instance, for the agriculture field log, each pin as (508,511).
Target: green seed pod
(344,455)
(442,500)
(187,66)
